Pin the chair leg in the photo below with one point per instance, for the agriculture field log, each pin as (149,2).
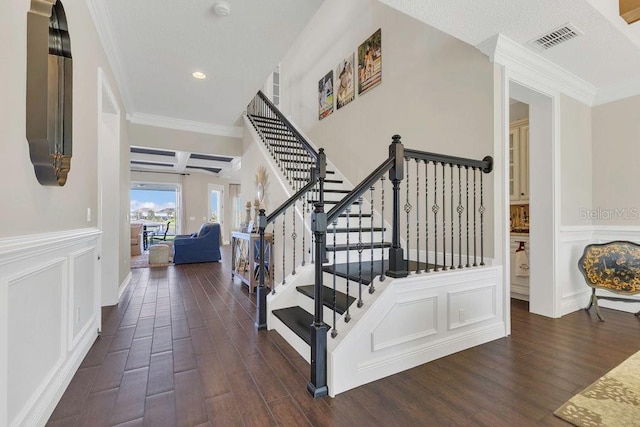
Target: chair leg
(593,301)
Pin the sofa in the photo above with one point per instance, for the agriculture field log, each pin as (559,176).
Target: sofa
(136,239)
(203,246)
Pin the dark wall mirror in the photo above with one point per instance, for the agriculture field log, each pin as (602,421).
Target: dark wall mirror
(49,91)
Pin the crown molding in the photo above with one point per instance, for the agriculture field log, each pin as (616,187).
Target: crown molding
(101,21)
(521,61)
(186,125)
(619,91)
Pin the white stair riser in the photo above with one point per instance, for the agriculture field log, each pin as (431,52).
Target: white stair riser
(294,340)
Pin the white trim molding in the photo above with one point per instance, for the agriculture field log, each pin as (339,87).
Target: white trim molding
(49,293)
(102,22)
(186,125)
(523,62)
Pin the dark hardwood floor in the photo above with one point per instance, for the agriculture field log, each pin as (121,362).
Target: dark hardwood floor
(180,349)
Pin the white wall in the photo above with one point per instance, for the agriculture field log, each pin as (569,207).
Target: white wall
(616,163)
(436,91)
(518,111)
(48,248)
(195,197)
(576,157)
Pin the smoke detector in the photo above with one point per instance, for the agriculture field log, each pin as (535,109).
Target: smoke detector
(222,8)
(556,37)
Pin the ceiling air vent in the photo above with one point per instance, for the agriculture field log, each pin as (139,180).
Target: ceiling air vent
(557,36)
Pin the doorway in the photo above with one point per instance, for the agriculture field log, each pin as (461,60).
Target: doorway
(216,206)
(542,193)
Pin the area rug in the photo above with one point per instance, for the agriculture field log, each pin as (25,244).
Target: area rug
(613,400)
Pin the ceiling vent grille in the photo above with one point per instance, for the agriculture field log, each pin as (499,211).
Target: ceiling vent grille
(557,36)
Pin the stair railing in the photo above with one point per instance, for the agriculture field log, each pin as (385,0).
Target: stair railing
(401,260)
(315,182)
(288,147)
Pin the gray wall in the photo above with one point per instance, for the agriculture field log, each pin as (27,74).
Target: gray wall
(616,162)
(576,159)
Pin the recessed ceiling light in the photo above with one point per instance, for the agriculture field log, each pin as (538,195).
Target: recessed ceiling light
(199,75)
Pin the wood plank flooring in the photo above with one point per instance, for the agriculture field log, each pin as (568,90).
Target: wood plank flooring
(181,349)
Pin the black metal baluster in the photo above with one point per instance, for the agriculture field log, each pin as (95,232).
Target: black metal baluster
(334,331)
(417,216)
(460,210)
(312,233)
(347,316)
(475,264)
(302,231)
(481,221)
(294,235)
(444,220)
(435,208)
(360,248)
(284,246)
(451,214)
(272,261)
(426,215)
(407,209)
(467,204)
(371,288)
(382,269)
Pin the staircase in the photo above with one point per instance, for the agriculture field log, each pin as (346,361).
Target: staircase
(368,287)
(291,155)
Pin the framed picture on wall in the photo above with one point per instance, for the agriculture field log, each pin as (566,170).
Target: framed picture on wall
(345,92)
(325,95)
(370,63)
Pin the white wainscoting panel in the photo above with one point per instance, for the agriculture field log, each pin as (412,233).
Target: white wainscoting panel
(471,305)
(575,292)
(49,317)
(415,320)
(407,320)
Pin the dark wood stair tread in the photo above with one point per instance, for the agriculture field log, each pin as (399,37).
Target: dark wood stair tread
(339,191)
(296,319)
(330,230)
(352,247)
(327,297)
(378,267)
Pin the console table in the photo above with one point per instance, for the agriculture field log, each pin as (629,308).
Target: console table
(245,258)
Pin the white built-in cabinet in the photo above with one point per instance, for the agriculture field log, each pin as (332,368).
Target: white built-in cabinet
(519,161)
(519,284)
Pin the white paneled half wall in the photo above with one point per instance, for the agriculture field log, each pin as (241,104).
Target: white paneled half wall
(49,318)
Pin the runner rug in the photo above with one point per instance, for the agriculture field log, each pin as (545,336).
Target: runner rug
(613,400)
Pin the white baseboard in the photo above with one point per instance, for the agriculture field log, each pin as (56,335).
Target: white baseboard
(123,286)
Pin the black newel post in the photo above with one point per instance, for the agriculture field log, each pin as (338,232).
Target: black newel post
(261,296)
(318,384)
(397,264)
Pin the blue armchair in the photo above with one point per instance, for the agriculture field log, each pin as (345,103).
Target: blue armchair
(203,246)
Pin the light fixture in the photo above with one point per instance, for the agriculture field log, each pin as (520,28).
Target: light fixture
(198,75)
(222,8)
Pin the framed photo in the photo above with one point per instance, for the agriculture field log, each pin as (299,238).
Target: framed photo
(370,63)
(345,92)
(325,95)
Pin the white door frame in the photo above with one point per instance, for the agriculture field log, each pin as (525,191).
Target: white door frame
(108,219)
(221,220)
(543,83)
